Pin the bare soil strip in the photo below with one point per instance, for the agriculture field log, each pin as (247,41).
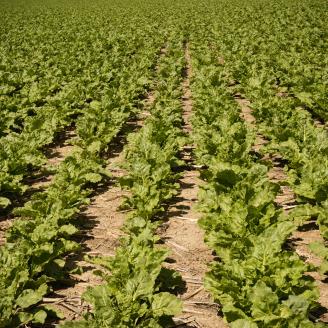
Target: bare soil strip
(55,156)
(189,254)
(4,226)
(101,222)
(246,115)
(306,234)
(60,149)
(286,199)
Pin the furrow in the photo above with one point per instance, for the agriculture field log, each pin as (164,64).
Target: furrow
(189,253)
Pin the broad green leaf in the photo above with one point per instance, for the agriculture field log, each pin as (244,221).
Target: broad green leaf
(166,304)
(30,297)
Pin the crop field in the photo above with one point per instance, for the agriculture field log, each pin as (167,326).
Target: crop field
(164,163)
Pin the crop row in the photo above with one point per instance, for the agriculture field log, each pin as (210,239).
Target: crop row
(137,288)
(256,280)
(62,83)
(277,46)
(287,91)
(90,64)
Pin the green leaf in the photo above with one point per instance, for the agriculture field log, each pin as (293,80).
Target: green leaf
(94,147)
(25,317)
(68,229)
(4,202)
(243,323)
(52,312)
(166,304)
(30,297)
(93,177)
(265,303)
(40,316)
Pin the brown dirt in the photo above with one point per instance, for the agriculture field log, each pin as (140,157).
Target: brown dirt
(101,224)
(150,96)
(181,234)
(101,221)
(57,154)
(189,254)
(286,198)
(276,173)
(301,238)
(300,241)
(4,226)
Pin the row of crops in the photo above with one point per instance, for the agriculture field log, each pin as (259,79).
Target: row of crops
(89,67)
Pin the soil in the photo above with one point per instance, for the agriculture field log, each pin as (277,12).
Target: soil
(100,231)
(102,220)
(100,228)
(4,226)
(57,154)
(189,254)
